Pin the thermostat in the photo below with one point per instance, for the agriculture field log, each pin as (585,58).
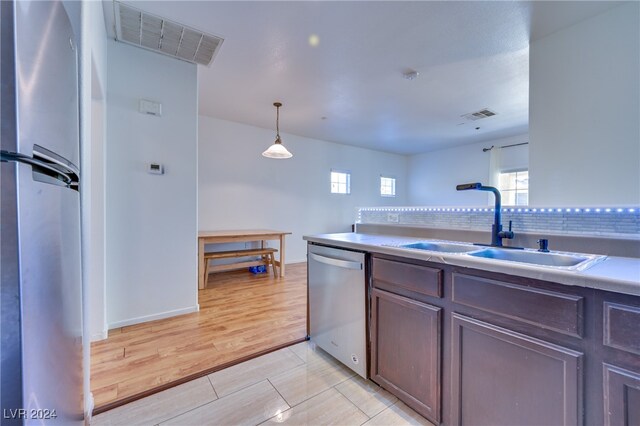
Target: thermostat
(156,169)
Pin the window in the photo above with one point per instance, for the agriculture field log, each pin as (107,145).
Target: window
(514,187)
(340,182)
(387,186)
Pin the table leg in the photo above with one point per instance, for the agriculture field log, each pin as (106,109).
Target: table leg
(201,265)
(282,255)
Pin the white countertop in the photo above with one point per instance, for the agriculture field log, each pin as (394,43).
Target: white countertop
(616,274)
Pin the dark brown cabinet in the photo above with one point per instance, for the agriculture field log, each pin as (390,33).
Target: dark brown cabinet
(405,350)
(621,360)
(621,396)
(466,346)
(500,377)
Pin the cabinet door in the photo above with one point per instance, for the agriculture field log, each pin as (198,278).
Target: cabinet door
(621,396)
(500,377)
(405,351)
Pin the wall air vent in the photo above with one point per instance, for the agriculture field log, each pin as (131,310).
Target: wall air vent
(142,29)
(478,115)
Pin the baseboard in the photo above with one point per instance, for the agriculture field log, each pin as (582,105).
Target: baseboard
(88,410)
(100,335)
(154,317)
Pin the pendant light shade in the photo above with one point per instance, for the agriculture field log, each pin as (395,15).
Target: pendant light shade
(277,150)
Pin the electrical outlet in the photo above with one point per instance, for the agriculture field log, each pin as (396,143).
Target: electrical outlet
(393,217)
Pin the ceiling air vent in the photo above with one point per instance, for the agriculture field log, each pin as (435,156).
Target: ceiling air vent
(152,32)
(478,115)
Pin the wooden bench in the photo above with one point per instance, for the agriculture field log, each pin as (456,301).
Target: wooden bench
(267,256)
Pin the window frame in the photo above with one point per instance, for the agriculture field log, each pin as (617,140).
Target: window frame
(393,186)
(347,183)
(514,190)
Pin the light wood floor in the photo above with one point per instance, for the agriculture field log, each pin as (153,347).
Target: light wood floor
(241,315)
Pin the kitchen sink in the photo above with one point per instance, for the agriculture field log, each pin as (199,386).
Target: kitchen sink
(441,247)
(555,260)
(560,260)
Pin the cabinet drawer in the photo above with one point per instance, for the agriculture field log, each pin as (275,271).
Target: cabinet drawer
(388,274)
(621,327)
(547,309)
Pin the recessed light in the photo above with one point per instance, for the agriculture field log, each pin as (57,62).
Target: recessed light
(314,40)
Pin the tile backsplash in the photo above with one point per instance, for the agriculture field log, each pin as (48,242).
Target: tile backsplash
(622,222)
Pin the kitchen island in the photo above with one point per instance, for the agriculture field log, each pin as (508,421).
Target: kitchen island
(468,340)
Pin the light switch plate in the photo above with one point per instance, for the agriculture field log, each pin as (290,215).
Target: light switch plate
(150,107)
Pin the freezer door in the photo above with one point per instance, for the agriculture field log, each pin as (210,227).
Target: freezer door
(47,82)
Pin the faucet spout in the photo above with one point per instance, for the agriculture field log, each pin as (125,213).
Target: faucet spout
(497,234)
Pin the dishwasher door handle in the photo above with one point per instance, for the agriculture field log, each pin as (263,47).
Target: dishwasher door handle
(336,262)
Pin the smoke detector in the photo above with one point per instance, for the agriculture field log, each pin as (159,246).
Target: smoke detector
(478,115)
(136,27)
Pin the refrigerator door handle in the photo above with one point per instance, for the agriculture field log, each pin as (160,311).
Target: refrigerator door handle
(45,170)
(51,157)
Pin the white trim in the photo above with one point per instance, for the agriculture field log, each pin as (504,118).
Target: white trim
(154,317)
(100,336)
(88,410)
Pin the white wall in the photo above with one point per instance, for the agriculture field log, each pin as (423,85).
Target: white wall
(433,176)
(240,189)
(151,219)
(584,109)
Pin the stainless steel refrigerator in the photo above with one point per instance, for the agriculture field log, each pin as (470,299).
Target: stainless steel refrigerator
(41,299)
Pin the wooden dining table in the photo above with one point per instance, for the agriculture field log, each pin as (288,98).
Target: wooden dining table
(239,236)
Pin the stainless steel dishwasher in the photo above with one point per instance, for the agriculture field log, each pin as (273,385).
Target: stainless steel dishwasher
(337,304)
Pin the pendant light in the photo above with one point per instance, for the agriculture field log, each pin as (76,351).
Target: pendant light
(277,150)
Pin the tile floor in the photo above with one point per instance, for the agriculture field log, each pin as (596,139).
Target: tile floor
(298,385)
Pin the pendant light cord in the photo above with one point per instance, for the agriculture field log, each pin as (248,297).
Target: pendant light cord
(278,124)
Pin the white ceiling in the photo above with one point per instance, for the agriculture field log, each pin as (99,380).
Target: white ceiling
(470,55)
